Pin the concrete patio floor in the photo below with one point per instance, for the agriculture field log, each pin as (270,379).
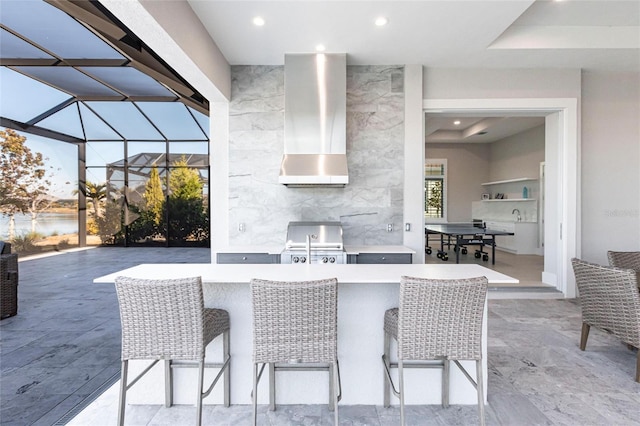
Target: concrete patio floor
(62,351)
(65,341)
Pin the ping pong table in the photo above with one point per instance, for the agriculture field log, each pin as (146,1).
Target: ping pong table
(461,234)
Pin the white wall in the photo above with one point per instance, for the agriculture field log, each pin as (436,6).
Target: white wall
(610,163)
(517,156)
(474,83)
(468,166)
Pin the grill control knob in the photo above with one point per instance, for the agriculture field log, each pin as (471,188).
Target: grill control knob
(325,259)
(295,259)
(332,260)
(303,259)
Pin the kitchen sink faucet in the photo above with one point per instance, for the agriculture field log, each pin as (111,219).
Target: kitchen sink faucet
(518,211)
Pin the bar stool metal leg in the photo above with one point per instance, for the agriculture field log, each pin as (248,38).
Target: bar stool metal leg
(401,386)
(227,373)
(335,385)
(387,386)
(272,386)
(445,383)
(123,392)
(480,390)
(254,395)
(200,392)
(332,388)
(168,384)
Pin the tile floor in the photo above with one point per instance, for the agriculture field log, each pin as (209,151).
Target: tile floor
(63,347)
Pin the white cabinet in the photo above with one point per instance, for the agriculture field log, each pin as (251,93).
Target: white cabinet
(524,240)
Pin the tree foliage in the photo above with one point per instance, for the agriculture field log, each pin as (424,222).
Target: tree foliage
(182,217)
(96,192)
(24,184)
(184,182)
(434,198)
(188,218)
(154,196)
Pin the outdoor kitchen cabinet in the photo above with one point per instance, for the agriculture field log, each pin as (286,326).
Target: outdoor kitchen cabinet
(253,258)
(379,255)
(383,258)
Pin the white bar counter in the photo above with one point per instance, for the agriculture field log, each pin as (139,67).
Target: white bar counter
(364,293)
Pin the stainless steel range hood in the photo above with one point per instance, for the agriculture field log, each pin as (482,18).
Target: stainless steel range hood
(315,148)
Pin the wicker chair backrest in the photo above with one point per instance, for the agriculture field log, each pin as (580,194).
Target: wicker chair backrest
(8,263)
(8,285)
(625,259)
(609,299)
(161,319)
(295,321)
(441,318)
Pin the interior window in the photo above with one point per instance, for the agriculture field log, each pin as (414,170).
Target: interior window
(435,185)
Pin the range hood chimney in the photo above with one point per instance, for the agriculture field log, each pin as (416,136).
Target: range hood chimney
(315,104)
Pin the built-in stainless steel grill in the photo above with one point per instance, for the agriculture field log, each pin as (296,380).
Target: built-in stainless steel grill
(314,242)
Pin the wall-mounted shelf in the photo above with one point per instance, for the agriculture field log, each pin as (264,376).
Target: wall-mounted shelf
(498,182)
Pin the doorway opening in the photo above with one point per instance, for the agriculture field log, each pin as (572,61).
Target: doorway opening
(557,219)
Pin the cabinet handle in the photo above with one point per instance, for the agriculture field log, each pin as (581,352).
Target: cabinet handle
(384,258)
(244,257)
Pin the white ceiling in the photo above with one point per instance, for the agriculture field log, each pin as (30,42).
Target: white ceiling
(600,34)
(440,128)
(592,35)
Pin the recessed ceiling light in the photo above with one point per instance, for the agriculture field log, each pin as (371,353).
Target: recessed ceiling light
(320,48)
(258,21)
(457,122)
(381,21)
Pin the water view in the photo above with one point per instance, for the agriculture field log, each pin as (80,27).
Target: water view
(49,223)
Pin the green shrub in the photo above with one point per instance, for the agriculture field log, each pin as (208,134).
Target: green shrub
(25,243)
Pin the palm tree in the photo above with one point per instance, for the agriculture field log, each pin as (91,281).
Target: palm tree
(95,192)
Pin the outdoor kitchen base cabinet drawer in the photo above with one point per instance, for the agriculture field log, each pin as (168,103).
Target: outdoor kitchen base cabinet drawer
(379,258)
(248,258)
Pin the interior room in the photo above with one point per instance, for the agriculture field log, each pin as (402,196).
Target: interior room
(495,176)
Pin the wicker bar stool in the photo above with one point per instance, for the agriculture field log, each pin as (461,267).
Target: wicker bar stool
(436,320)
(295,327)
(165,319)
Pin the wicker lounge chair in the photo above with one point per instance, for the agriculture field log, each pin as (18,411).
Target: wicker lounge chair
(626,260)
(166,319)
(610,301)
(8,285)
(436,320)
(295,323)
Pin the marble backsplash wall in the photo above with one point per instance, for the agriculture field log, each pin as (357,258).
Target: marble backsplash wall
(375,152)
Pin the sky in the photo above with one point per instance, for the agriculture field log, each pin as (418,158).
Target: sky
(26,99)
(61,157)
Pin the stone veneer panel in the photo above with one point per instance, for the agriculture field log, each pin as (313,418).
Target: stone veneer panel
(375,151)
